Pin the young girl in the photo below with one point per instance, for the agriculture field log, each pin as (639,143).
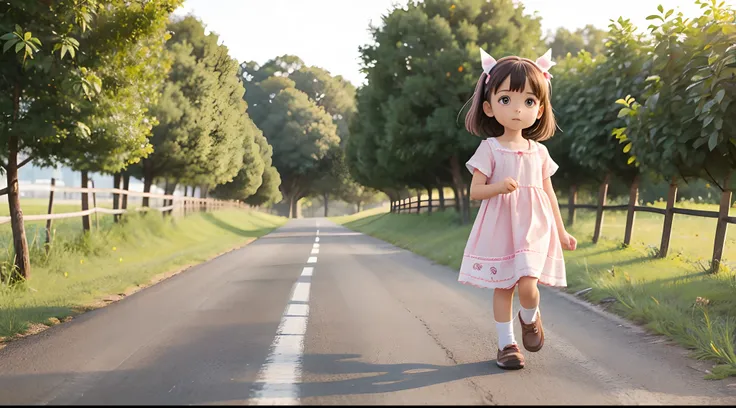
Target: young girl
(518,234)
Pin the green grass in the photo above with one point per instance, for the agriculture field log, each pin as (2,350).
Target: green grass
(80,270)
(661,294)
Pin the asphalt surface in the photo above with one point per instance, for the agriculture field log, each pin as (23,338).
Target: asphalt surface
(361,322)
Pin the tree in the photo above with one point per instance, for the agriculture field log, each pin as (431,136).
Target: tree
(421,69)
(268,192)
(686,124)
(301,134)
(46,85)
(186,120)
(334,94)
(588,38)
(590,114)
(569,81)
(204,137)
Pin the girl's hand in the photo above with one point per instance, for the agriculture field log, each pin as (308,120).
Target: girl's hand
(568,241)
(508,185)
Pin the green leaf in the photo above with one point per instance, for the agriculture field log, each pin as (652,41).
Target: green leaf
(36,41)
(623,112)
(72,52)
(669,13)
(660,8)
(654,16)
(713,141)
(631,160)
(653,78)
(719,95)
(627,148)
(8,36)
(19,46)
(621,102)
(9,45)
(27,36)
(729,29)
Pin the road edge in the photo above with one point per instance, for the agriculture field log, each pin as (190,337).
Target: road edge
(108,299)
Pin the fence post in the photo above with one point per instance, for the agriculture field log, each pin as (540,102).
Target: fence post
(419,201)
(51,208)
(721,228)
(633,202)
(115,196)
(668,217)
(94,205)
(126,188)
(429,202)
(572,200)
(601,202)
(85,201)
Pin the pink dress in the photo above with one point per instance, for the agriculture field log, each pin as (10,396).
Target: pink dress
(515,234)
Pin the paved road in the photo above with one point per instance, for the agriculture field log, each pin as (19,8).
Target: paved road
(361,322)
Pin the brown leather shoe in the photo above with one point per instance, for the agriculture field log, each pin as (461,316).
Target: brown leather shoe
(510,358)
(532,335)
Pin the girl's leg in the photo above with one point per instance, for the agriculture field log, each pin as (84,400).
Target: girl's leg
(529,299)
(509,355)
(531,321)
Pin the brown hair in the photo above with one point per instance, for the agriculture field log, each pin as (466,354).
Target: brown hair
(479,124)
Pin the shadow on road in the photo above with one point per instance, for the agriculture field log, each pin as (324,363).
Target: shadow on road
(382,378)
(253,233)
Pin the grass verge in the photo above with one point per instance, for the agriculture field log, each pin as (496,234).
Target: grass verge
(674,296)
(82,272)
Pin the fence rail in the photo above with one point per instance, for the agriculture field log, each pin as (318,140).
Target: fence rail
(418,205)
(173,205)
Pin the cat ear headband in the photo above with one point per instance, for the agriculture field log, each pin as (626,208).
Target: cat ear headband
(544,63)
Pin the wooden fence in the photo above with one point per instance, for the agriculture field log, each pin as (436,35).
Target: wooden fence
(417,205)
(173,205)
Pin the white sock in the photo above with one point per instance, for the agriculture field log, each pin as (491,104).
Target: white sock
(529,315)
(505,334)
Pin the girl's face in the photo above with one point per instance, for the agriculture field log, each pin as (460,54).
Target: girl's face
(514,110)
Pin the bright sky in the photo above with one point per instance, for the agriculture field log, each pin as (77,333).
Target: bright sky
(327,33)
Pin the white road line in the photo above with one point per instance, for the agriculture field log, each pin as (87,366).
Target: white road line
(280,376)
(297,310)
(301,292)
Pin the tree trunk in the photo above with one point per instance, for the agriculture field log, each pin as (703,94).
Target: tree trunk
(20,244)
(326,197)
(293,204)
(126,187)
(147,183)
(357,205)
(85,201)
(457,180)
(456,201)
(169,190)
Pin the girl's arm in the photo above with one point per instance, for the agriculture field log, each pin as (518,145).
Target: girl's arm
(568,242)
(479,190)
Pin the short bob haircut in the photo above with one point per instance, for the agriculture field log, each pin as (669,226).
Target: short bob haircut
(520,69)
